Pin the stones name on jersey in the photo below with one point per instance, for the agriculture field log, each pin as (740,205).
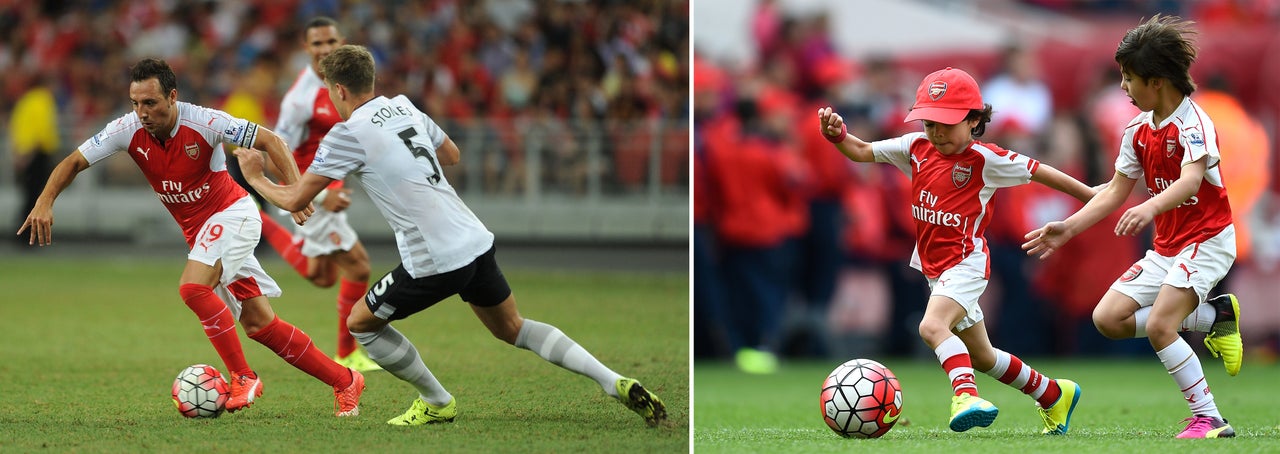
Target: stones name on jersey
(387,112)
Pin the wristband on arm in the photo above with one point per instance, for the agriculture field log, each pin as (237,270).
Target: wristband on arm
(844,130)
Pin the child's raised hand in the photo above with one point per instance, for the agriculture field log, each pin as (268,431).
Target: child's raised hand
(831,125)
(1044,241)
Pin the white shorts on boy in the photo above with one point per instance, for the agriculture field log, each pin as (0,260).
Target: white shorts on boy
(965,285)
(1198,266)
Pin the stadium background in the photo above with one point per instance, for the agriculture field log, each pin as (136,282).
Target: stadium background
(1047,67)
(572,116)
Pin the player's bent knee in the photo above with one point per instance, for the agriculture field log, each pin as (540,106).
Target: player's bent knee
(359,325)
(1110,328)
(933,331)
(190,292)
(1159,329)
(363,321)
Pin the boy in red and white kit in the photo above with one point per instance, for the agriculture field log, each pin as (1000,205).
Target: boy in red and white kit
(176,146)
(953,178)
(1173,146)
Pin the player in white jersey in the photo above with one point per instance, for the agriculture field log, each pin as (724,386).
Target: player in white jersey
(175,145)
(1173,146)
(445,250)
(325,250)
(953,177)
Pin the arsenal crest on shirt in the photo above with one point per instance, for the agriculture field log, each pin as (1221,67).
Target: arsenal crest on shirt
(192,150)
(960,174)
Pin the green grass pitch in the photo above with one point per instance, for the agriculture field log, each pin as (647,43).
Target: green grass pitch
(91,347)
(1129,406)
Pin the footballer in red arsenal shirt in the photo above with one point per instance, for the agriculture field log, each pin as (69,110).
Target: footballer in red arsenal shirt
(177,146)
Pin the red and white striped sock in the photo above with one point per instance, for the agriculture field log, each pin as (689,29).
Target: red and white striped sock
(1013,372)
(954,357)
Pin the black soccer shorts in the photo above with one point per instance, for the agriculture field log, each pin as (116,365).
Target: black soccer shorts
(398,295)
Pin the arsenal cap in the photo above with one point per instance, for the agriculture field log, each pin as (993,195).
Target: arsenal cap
(946,96)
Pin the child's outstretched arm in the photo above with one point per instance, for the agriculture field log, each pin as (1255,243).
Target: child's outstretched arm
(1067,184)
(833,129)
(1044,241)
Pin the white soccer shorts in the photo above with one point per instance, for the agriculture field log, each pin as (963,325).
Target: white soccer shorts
(325,232)
(964,285)
(231,236)
(1198,266)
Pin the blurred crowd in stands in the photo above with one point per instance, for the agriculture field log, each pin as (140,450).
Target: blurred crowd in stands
(490,71)
(800,252)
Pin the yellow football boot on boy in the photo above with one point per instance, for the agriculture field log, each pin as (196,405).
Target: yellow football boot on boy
(422,413)
(641,401)
(1057,418)
(969,411)
(1224,337)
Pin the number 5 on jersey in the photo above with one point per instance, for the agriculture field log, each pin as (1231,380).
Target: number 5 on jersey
(421,152)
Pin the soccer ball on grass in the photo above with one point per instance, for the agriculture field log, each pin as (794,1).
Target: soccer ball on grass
(861,399)
(200,391)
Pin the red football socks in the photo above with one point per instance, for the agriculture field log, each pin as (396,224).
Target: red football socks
(296,348)
(349,293)
(218,325)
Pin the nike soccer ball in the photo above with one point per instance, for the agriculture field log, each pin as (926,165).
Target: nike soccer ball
(861,399)
(200,392)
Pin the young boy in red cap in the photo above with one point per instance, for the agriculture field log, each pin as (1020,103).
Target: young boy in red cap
(953,177)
